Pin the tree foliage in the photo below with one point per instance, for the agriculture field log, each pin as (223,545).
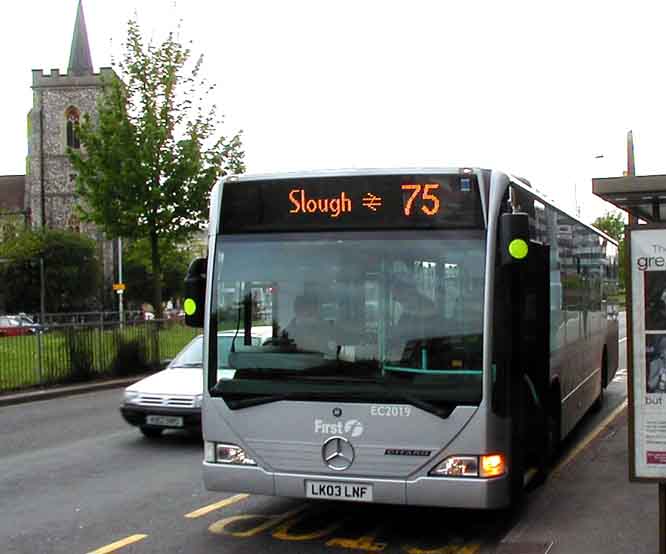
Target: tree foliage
(612,223)
(70,266)
(137,271)
(148,163)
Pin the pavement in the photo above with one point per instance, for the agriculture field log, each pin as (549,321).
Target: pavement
(33,395)
(587,505)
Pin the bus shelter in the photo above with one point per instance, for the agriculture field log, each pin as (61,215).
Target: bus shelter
(644,198)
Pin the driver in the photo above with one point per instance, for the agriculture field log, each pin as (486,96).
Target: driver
(307,329)
(416,312)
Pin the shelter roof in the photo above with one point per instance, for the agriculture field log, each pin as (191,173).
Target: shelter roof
(643,196)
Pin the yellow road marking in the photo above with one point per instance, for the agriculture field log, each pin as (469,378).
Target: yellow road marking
(366,542)
(593,435)
(212,507)
(220,527)
(118,544)
(283,532)
(451,549)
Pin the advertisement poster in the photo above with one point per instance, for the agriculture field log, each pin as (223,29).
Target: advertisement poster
(648,298)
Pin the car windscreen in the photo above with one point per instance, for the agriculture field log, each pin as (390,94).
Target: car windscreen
(192,354)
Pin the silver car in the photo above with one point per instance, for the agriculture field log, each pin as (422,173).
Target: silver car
(171,399)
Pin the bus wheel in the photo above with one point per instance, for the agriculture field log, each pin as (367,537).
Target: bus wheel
(554,427)
(599,401)
(151,432)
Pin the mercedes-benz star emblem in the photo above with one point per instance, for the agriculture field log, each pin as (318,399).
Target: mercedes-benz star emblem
(338,453)
(337,412)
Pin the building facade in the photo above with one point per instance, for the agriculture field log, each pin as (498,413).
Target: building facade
(60,101)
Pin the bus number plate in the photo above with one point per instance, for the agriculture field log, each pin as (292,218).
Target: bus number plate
(342,491)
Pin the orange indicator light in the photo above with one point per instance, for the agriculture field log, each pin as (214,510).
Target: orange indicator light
(492,465)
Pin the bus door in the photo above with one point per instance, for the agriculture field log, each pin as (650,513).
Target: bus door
(535,352)
(522,327)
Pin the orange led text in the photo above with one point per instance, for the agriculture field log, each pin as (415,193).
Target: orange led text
(334,206)
(429,202)
(372,202)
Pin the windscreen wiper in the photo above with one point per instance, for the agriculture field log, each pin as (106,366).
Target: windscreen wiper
(344,367)
(236,404)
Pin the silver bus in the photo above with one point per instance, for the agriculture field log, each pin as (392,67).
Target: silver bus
(429,335)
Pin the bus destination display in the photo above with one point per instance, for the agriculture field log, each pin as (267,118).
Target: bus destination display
(353,202)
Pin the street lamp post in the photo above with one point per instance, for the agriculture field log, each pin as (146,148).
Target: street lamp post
(120,291)
(631,168)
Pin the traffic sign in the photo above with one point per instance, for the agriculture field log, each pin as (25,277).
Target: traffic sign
(119,286)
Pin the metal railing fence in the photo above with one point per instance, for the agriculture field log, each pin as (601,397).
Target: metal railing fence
(76,352)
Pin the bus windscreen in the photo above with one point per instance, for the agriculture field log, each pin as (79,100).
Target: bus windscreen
(358,202)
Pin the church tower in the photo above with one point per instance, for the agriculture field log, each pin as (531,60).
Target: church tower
(59,104)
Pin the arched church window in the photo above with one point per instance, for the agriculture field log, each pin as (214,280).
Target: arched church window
(72,116)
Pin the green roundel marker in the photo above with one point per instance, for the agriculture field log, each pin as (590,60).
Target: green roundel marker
(518,249)
(190,306)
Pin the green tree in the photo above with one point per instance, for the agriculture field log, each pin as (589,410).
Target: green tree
(137,270)
(70,265)
(147,165)
(612,223)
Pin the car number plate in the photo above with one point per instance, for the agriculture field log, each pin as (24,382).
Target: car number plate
(164,421)
(357,492)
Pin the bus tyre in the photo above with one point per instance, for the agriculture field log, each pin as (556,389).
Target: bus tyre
(554,428)
(151,432)
(517,479)
(599,401)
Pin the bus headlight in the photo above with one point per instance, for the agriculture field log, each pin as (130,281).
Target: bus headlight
(222,453)
(457,466)
(197,400)
(486,465)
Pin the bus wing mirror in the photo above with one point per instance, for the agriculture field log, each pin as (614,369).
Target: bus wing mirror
(195,293)
(514,238)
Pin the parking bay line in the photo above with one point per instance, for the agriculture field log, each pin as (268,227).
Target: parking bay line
(216,506)
(118,544)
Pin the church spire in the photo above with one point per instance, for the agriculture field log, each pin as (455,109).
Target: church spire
(80,61)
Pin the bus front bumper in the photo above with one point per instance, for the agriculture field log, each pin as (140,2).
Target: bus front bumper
(451,492)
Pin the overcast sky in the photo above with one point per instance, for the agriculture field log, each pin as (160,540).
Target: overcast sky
(539,89)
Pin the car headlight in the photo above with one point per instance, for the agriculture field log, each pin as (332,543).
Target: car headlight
(129,396)
(197,400)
